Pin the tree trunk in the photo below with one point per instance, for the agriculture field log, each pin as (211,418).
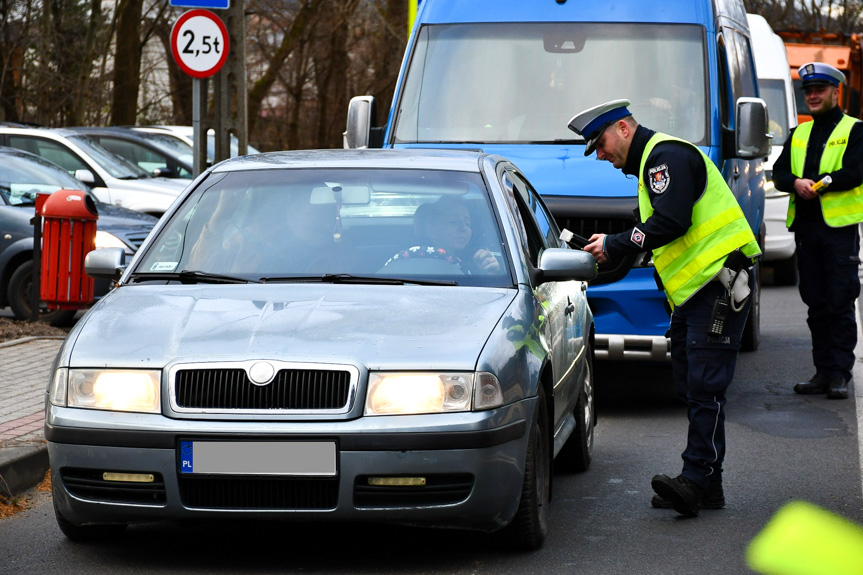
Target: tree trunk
(127,63)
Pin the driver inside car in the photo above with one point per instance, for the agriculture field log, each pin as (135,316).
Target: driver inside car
(443,230)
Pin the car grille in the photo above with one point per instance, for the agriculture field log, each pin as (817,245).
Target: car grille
(258,493)
(291,389)
(89,484)
(438,490)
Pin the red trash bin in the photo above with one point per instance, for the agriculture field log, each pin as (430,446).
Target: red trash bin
(68,234)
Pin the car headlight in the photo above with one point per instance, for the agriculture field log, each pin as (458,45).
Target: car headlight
(106,240)
(108,389)
(405,393)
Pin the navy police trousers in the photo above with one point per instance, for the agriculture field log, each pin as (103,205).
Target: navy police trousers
(828,260)
(703,367)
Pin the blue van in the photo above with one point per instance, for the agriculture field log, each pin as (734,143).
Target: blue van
(506,76)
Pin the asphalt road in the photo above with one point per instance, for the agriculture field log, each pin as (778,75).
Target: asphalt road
(781,447)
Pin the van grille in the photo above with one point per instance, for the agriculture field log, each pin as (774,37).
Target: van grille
(291,389)
(586,216)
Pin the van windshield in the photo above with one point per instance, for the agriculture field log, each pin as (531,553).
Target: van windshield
(773,92)
(523,82)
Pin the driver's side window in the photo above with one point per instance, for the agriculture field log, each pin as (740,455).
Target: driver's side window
(540,229)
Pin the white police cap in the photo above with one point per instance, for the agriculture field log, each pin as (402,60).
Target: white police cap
(590,123)
(819,73)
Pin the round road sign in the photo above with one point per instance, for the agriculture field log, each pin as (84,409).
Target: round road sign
(199,41)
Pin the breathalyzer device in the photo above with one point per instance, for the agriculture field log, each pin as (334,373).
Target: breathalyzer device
(822,183)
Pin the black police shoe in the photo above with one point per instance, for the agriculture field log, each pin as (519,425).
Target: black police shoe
(684,494)
(818,384)
(714,498)
(837,388)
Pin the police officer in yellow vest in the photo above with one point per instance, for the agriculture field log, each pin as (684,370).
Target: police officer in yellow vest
(702,248)
(824,218)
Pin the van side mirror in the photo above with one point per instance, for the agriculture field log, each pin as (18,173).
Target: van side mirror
(362,115)
(751,136)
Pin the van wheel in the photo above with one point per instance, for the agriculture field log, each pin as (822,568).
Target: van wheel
(529,527)
(752,331)
(19,299)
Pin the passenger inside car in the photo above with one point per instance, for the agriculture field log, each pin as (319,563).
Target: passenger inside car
(278,232)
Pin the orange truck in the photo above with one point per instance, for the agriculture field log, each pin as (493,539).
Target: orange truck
(842,51)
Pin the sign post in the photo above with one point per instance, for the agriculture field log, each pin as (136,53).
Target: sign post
(199,42)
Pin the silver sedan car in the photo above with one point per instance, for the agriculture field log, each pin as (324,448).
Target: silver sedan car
(395,336)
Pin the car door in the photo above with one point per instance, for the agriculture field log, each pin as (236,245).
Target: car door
(562,303)
(61,155)
(144,157)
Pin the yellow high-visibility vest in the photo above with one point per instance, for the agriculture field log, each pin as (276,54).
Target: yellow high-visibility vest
(718,228)
(840,208)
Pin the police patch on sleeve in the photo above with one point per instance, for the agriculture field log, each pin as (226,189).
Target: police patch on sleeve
(637,237)
(659,178)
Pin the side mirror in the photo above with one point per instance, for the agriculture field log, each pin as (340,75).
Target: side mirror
(362,116)
(752,137)
(163,173)
(85,176)
(562,264)
(105,263)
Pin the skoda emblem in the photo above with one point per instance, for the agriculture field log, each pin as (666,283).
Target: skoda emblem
(261,373)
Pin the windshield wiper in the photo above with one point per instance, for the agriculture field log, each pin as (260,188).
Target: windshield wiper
(192,277)
(352,279)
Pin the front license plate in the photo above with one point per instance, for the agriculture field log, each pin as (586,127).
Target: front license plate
(258,457)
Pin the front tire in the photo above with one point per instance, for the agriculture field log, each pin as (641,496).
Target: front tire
(577,453)
(529,527)
(19,298)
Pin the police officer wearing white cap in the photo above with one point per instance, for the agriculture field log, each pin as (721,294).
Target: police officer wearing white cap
(702,246)
(824,218)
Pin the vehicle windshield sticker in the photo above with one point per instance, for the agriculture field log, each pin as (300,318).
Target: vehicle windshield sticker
(659,178)
(163,267)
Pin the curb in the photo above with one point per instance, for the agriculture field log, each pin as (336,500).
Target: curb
(22,468)
(19,341)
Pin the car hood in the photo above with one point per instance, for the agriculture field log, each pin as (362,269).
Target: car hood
(381,327)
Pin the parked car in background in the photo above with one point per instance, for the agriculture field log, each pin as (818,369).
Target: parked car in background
(777,89)
(186,134)
(368,335)
(112,179)
(151,155)
(22,177)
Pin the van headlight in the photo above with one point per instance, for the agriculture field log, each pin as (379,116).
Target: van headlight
(108,389)
(403,393)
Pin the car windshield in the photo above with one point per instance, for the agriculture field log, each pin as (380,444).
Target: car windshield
(170,145)
(527,80)
(315,224)
(112,163)
(23,178)
(773,92)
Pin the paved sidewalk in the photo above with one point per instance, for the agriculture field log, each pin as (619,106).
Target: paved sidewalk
(24,369)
